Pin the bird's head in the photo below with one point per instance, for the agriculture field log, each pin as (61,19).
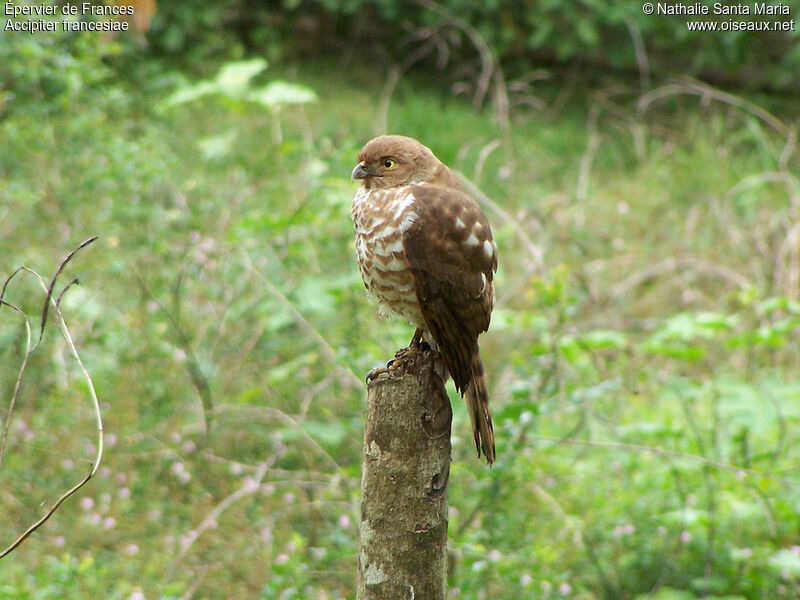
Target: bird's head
(392,160)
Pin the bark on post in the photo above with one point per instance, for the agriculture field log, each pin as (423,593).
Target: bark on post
(403,531)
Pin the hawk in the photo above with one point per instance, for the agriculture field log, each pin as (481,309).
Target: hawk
(426,253)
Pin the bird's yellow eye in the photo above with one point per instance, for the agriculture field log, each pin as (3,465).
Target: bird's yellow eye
(389,163)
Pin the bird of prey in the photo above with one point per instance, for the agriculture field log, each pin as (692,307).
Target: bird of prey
(426,253)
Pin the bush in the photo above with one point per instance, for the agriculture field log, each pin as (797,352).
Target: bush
(523,34)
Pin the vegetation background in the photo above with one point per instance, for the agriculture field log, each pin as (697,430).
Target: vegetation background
(642,181)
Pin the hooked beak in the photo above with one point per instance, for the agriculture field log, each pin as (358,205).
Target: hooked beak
(360,172)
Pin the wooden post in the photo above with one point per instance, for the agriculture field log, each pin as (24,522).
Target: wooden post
(403,531)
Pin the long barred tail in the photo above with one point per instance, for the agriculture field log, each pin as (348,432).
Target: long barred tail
(477,397)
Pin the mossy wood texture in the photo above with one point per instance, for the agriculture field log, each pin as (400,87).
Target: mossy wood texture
(403,531)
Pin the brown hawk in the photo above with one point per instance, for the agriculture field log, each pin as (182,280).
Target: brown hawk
(426,253)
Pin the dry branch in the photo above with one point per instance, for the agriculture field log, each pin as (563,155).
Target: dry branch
(53,302)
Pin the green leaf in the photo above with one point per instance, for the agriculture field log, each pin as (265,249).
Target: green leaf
(234,78)
(604,338)
(277,93)
(787,561)
(232,81)
(188,94)
(666,593)
(217,146)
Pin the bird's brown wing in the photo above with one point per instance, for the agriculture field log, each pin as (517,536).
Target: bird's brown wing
(449,247)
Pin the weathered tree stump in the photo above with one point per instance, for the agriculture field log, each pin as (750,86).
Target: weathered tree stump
(403,531)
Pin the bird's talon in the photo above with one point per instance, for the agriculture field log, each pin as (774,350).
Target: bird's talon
(375,373)
(389,369)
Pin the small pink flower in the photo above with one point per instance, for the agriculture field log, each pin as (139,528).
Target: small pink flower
(281,559)
(686,537)
(87,503)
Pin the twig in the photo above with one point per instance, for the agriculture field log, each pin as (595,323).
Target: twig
(22,369)
(791,182)
(49,289)
(484,154)
(489,64)
(46,516)
(62,325)
(304,324)
(395,73)
(28,348)
(592,145)
(661,451)
(254,487)
(259,410)
(574,523)
(641,55)
(196,374)
(789,148)
(673,264)
(211,519)
(689,86)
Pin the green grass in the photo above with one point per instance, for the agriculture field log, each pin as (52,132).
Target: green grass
(643,378)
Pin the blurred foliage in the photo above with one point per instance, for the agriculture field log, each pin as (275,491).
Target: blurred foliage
(642,368)
(582,36)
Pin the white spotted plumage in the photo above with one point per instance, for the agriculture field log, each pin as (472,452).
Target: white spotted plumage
(426,253)
(379,246)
